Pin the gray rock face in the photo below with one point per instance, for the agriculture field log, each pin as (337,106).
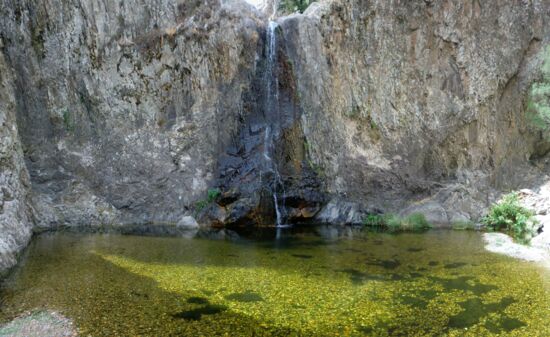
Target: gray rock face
(124,107)
(15,216)
(420,100)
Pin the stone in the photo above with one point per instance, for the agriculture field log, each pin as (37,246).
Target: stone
(213,215)
(341,212)
(39,324)
(503,244)
(188,222)
(435,213)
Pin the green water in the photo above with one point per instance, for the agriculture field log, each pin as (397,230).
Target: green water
(319,283)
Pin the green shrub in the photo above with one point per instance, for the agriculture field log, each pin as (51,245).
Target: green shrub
(213,193)
(510,216)
(68,121)
(291,6)
(200,205)
(415,222)
(393,223)
(374,220)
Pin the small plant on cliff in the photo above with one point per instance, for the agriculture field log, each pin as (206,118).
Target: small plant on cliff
(538,106)
(212,195)
(291,6)
(510,216)
(68,121)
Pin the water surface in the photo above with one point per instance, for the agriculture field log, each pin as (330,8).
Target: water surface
(323,282)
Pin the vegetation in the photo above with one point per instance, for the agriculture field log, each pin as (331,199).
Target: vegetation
(463,225)
(291,6)
(393,223)
(212,195)
(538,107)
(510,216)
(313,166)
(68,121)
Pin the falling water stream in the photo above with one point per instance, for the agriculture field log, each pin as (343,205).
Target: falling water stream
(272,130)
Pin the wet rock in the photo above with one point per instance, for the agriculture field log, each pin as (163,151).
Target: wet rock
(244,212)
(213,215)
(39,324)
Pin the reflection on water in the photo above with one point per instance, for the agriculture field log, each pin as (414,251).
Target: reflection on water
(323,281)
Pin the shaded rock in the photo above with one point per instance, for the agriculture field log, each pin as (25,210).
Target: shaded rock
(213,215)
(341,212)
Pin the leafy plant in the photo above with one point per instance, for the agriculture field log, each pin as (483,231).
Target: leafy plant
(213,193)
(394,223)
(374,220)
(510,216)
(291,6)
(200,205)
(211,196)
(67,120)
(415,222)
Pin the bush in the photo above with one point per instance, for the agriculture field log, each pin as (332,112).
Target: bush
(394,223)
(213,194)
(291,6)
(510,216)
(374,220)
(415,222)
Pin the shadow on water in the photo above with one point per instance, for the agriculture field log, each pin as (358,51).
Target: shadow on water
(106,300)
(474,310)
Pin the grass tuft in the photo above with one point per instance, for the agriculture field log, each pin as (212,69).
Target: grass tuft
(412,223)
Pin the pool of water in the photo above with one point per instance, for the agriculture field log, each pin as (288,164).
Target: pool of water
(320,282)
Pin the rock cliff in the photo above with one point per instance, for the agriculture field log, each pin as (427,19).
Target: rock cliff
(128,112)
(15,216)
(124,107)
(421,102)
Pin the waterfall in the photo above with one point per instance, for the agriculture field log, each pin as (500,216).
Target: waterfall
(272,116)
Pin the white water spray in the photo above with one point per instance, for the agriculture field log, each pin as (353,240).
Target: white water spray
(272,115)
